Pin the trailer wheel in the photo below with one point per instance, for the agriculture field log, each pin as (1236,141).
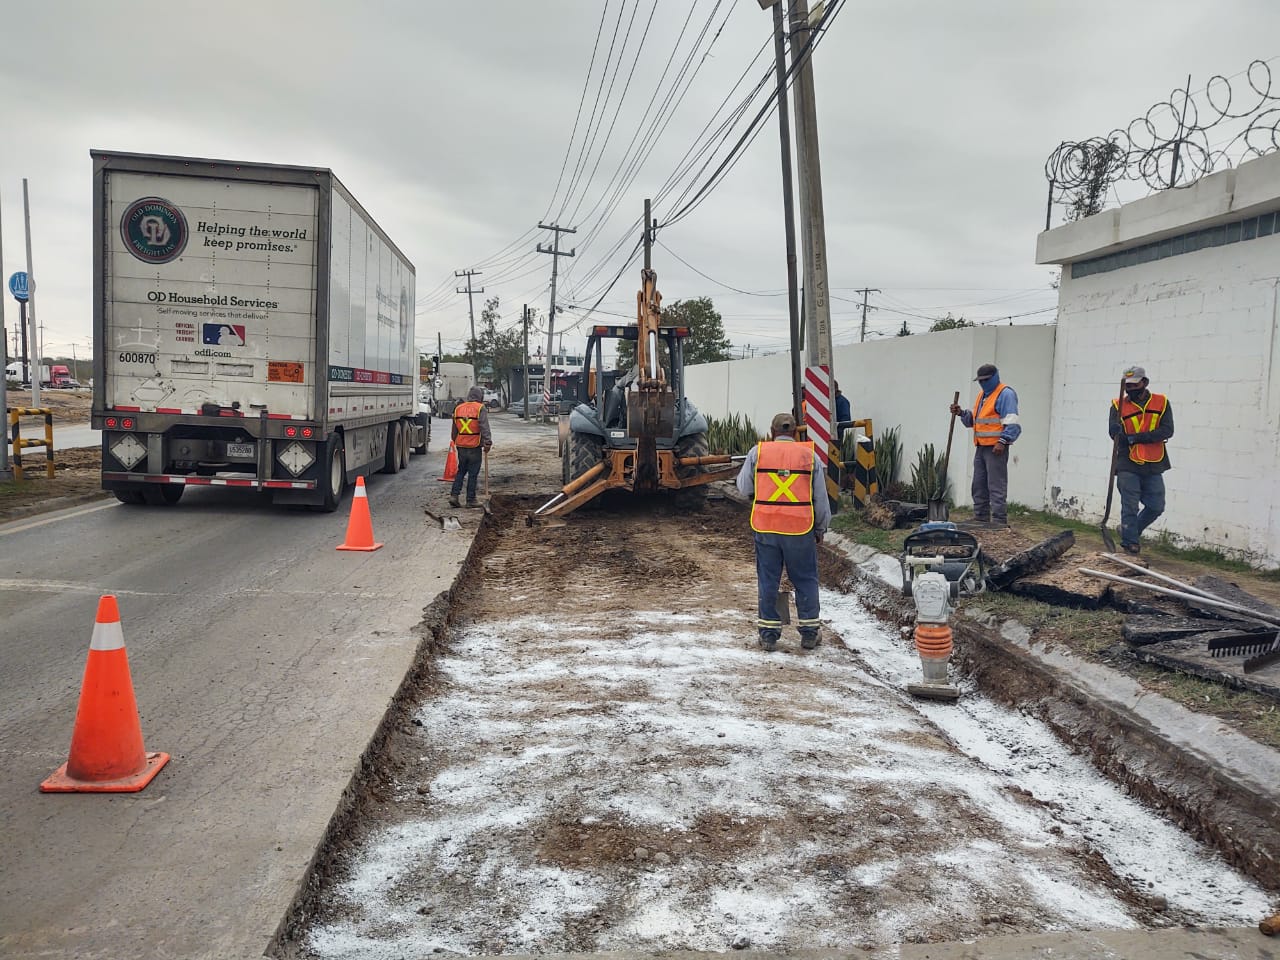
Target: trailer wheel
(391,459)
(335,478)
(404,444)
(163,494)
(132,496)
(425,424)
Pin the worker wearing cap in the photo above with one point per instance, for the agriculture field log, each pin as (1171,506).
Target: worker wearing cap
(1141,426)
(994,419)
(472,440)
(790,514)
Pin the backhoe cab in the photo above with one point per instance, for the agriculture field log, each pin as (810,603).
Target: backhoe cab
(643,434)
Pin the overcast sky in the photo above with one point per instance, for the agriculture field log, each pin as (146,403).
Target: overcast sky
(454,124)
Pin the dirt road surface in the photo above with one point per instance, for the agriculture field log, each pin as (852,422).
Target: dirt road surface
(603,759)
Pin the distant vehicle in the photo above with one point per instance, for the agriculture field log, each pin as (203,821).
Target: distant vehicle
(453,380)
(69,384)
(517,407)
(492,398)
(55,375)
(230,377)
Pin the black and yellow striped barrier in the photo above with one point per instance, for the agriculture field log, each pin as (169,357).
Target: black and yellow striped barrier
(15,427)
(861,470)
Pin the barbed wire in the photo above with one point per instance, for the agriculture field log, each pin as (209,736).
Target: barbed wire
(1175,143)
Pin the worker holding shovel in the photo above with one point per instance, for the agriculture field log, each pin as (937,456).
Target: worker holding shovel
(1141,424)
(472,438)
(994,420)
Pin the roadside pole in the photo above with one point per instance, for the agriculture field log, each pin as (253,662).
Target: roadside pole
(31,303)
(788,204)
(556,254)
(820,408)
(524,414)
(5,472)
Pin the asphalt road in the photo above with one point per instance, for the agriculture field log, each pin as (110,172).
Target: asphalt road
(262,659)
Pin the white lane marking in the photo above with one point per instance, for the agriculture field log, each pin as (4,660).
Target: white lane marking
(18,526)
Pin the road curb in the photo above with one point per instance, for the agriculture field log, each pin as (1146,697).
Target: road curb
(1224,792)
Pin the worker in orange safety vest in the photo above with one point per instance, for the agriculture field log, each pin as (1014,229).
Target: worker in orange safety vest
(472,439)
(994,419)
(1142,426)
(790,514)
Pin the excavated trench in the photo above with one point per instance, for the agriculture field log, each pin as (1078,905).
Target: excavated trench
(592,754)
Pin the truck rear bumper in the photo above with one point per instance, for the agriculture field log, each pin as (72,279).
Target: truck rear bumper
(111,478)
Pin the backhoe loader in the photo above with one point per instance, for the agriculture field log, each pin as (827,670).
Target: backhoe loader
(643,435)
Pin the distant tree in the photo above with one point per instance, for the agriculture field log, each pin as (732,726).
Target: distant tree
(496,351)
(905,331)
(950,323)
(706,343)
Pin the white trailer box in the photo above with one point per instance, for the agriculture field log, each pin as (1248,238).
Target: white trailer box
(253,327)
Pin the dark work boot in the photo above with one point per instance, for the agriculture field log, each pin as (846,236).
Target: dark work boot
(809,638)
(769,640)
(453,502)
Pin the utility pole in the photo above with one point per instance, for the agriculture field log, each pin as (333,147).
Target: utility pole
(865,291)
(471,311)
(820,408)
(525,315)
(788,204)
(31,300)
(5,472)
(556,254)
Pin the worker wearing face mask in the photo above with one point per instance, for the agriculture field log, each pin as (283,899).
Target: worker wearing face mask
(1142,425)
(994,419)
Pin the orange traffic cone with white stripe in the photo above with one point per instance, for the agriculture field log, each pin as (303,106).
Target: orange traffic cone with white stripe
(106,744)
(450,464)
(360,524)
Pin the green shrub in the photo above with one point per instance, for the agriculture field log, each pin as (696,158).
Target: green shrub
(733,435)
(926,473)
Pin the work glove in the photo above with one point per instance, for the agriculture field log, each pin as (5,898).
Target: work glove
(998,449)
(955,410)
(488,445)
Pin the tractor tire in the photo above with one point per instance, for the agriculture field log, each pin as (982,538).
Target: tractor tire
(694,445)
(584,450)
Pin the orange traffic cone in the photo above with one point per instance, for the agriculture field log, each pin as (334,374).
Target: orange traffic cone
(360,524)
(106,744)
(450,464)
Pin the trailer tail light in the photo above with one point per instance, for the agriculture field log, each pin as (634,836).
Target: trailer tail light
(308,433)
(290,431)
(127,423)
(111,423)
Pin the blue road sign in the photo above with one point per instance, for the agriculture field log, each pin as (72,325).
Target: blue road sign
(18,286)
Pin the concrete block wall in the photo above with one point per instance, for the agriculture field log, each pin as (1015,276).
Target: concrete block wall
(1204,325)
(908,382)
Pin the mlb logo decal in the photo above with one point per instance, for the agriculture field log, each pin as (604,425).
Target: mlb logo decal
(224,334)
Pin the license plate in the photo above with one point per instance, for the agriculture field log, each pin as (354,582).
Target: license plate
(245,450)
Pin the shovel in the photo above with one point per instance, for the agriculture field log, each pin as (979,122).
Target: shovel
(485,503)
(1111,480)
(938,502)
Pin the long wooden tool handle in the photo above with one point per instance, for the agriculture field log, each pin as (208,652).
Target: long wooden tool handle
(1115,455)
(946,458)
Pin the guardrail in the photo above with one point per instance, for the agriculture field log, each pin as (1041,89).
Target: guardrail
(16,439)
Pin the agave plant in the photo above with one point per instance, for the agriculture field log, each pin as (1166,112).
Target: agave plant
(926,473)
(733,435)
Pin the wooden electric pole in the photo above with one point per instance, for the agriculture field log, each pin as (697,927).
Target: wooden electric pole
(556,254)
(865,291)
(471,311)
(524,414)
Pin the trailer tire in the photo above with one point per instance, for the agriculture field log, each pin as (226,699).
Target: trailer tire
(395,439)
(132,496)
(335,478)
(163,494)
(425,424)
(405,433)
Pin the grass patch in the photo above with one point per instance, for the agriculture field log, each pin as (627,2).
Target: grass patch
(850,523)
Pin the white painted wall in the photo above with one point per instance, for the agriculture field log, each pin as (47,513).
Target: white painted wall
(1204,325)
(908,382)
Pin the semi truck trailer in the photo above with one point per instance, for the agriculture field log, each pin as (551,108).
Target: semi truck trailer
(253,328)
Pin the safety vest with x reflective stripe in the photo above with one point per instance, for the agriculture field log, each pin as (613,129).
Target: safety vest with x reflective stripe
(466,417)
(784,488)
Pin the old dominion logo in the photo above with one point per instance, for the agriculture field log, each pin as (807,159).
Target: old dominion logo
(154,230)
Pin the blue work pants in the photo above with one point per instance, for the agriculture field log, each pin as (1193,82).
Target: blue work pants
(799,554)
(1135,488)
